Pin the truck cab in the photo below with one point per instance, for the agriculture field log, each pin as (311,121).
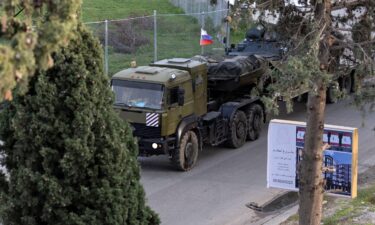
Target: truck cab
(155,99)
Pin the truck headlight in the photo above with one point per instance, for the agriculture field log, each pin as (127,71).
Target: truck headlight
(154,145)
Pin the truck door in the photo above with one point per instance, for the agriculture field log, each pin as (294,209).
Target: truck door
(179,108)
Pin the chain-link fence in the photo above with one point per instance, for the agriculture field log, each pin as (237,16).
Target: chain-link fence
(159,36)
(195,7)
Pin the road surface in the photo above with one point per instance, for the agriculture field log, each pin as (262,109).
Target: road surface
(225,180)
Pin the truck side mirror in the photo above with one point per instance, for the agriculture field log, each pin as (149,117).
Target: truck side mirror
(181,96)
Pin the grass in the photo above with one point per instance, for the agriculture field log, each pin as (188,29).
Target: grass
(348,211)
(351,210)
(98,10)
(177,36)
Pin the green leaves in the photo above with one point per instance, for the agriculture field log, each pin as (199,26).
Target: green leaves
(70,158)
(26,46)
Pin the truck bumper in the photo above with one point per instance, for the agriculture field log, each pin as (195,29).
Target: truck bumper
(147,146)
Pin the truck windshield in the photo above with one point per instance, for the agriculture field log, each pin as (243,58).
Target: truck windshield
(138,94)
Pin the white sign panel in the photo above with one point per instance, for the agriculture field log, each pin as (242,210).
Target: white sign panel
(286,140)
(281,165)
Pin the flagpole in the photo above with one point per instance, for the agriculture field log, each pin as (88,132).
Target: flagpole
(202,47)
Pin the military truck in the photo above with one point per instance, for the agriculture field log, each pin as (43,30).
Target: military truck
(258,41)
(175,106)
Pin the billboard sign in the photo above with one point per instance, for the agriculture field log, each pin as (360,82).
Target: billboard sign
(285,152)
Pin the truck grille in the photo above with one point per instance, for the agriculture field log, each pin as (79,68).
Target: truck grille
(141,130)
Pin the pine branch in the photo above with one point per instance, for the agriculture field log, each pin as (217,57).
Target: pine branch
(350,4)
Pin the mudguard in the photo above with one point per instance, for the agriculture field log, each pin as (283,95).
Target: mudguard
(187,123)
(229,108)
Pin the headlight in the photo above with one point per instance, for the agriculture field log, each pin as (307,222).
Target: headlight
(154,145)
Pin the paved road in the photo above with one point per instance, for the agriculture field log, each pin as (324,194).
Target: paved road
(224,180)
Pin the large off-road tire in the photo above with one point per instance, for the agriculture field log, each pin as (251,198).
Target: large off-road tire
(185,157)
(302,98)
(346,84)
(331,96)
(354,82)
(237,130)
(255,118)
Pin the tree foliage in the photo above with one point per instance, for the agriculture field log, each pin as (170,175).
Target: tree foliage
(29,32)
(350,38)
(328,42)
(70,158)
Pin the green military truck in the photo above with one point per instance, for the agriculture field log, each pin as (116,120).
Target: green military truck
(175,106)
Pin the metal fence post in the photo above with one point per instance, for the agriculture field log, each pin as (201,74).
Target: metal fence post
(155,38)
(106,47)
(199,9)
(227,43)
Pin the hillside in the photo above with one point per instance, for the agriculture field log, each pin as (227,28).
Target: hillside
(133,40)
(97,10)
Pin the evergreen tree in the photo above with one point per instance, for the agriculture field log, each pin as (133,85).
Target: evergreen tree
(29,32)
(70,159)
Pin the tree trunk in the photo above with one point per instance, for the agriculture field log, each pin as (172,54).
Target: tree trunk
(311,185)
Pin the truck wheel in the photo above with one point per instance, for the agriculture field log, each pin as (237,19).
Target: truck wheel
(331,96)
(185,157)
(237,130)
(303,98)
(346,84)
(354,82)
(255,121)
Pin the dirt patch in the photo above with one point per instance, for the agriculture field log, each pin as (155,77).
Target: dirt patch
(366,217)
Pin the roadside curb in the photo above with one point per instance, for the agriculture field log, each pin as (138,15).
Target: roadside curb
(279,217)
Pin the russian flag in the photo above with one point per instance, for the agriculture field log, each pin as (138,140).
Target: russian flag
(205,38)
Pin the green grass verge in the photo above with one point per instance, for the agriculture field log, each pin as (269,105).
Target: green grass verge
(178,36)
(352,210)
(347,211)
(98,10)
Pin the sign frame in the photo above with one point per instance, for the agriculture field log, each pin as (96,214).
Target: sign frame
(285,149)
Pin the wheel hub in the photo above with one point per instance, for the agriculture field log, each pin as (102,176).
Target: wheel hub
(189,153)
